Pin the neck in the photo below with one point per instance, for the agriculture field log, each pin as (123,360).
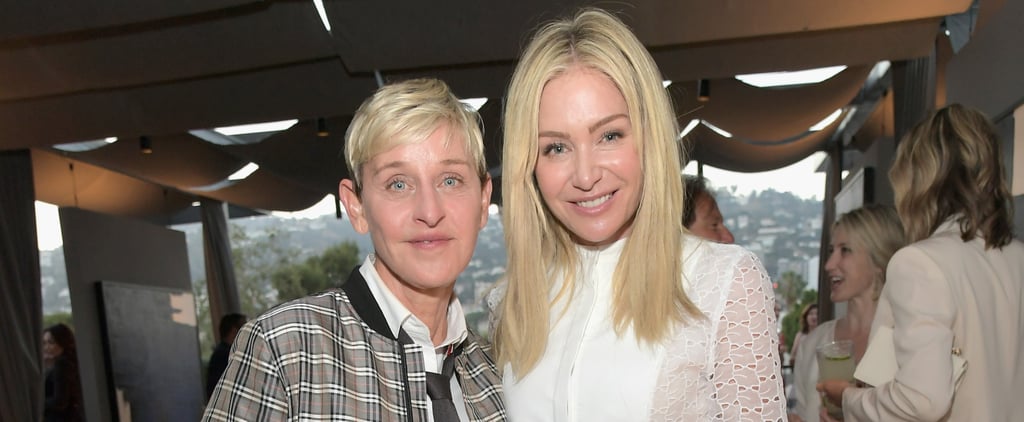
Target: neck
(435,316)
(860,312)
(431,307)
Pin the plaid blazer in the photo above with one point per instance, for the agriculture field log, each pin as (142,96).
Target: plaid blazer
(333,357)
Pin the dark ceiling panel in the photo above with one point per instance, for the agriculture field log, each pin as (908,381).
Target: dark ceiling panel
(263,190)
(25,19)
(432,34)
(179,160)
(767,114)
(714,150)
(855,46)
(70,183)
(299,91)
(299,155)
(280,33)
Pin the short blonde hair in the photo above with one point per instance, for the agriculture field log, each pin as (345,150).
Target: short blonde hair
(950,166)
(538,245)
(875,229)
(408,112)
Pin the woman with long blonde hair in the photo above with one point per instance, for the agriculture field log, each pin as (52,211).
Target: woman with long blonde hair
(611,312)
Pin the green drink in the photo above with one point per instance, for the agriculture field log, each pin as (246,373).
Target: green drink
(835,362)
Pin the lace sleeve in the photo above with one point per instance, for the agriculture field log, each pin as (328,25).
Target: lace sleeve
(492,303)
(747,375)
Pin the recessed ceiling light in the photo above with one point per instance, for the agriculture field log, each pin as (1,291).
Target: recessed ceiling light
(319,5)
(799,77)
(476,103)
(717,129)
(244,172)
(689,127)
(827,120)
(257,127)
(86,145)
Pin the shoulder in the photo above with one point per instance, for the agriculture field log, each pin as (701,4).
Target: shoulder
(704,260)
(322,310)
(821,334)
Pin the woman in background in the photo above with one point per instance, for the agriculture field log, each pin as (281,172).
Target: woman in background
(808,322)
(863,241)
(959,284)
(612,311)
(63,389)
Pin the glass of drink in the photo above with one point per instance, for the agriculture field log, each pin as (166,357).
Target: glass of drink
(835,362)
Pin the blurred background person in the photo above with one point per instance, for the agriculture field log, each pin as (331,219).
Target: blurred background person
(808,322)
(863,241)
(229,326)
(700,211)
(959,284)
(62,388)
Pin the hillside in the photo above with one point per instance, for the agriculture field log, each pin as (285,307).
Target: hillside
(782,229)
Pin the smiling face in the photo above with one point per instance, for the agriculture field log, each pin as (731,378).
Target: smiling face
(849,268)
(423,205)
(588,169)
(50,347)
(708,222)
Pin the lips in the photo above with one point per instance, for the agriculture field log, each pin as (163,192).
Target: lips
(430,241)
(835,280)
(595,202)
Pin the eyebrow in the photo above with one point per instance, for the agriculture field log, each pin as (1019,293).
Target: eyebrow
(400,164)
(592,128)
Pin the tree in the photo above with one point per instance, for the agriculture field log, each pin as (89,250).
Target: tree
(316,273)
(790,287)
(256,257)
(58,317)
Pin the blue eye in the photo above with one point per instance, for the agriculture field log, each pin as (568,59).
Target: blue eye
(554,148)
(611,136)
(397,185)
(450,181)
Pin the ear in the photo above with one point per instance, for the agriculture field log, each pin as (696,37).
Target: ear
(353,205)
(485,201)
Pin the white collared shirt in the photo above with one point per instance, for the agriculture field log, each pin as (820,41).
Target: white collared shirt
(399,317)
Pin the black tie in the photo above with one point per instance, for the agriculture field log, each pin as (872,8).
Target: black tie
(439,388)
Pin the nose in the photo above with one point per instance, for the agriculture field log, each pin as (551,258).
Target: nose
(832,262)
(429,207)
(586,173)
(726,236)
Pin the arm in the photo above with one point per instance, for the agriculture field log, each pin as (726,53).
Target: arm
(805,373)
(746,367)
(218,363)
(251,388)
(60,402)
(923,311)
(796,346)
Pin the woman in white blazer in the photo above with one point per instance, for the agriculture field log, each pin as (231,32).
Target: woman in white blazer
(960,284)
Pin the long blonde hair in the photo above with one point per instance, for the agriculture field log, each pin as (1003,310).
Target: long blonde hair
(538,246)
(950,166)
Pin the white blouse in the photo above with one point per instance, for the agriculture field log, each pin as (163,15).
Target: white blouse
(722,368)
